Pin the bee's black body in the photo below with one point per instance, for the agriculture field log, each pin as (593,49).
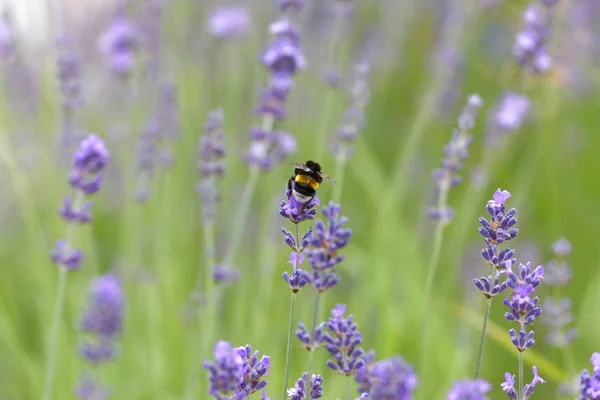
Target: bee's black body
(307,178)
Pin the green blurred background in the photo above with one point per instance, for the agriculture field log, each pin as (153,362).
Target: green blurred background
(549,166)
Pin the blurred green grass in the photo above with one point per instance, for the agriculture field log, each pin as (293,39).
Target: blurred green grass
(549,166)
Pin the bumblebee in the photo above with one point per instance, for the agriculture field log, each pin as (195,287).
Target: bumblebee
(305,181)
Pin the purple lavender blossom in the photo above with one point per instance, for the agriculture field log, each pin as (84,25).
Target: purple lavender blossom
(104,315)
(558,270)
(226,372)
(590,383)
(325,244)
(211,165)
(225,273)
(300,392)
(310,342)
(342,342)
(392,378)
(507,115)
(118,44)
(69,76)
(88,162)
(469,390)
(228,22)
(508,385)
(291,6)
(296,211)
(530,44)
(283,57)
(89,389)
(253,371)
(353,119)
(455,153)
(7,39)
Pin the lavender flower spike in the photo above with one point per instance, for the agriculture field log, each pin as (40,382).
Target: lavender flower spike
(342,342)
(508,115)
(228,22)
(590,383)
(300,391)
(392,378)
(253,371)
(226,372)
(508,385)
(118,45)
(469,390)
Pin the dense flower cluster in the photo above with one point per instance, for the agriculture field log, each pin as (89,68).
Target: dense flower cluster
(590,383)
(300,391)
(212,164)
(530,45)
(102,322)
(499,229)
(392,378)
(283,57)
(236,373)
(469,390)
(118,44)
(89,160)
(455,153)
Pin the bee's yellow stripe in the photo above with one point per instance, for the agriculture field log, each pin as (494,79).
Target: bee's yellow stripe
(307,180)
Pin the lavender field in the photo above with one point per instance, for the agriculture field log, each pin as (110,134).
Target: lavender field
(156,241)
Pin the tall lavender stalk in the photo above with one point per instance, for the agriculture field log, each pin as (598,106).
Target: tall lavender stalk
(523,310)
(296,212)
(102,322)
(85,179)
(499,229)
(446,177)
(352,122)
(283,57)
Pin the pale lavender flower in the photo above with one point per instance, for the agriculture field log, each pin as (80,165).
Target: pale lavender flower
(455,153)
(509,383)
(392,378)
(507,115)
(469,390)
(300,391)
(7,37)
(69,77)
(88,162)
(226,372)
(212,164)
(530,44)
(118,44)
(353,119)
(89,389)
(225,273)
(590,383)
(228,22)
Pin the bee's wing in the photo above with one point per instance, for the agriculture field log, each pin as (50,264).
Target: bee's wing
(301,166)
(323,175)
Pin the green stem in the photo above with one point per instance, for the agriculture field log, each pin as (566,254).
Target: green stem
(486,316)
(54,332)
(434,262)
(340,164)
(312,334)
(521,394)
(288,353)
(348,388)
(239,223)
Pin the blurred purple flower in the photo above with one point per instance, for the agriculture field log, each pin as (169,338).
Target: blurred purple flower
(118,44)
(7,39)
(226,372)
(590,383)
(88,389)
(104,315)
(392,378)
(228,22)
(469,390)
(211,164)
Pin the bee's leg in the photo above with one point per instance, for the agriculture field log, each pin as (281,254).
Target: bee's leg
(289,185)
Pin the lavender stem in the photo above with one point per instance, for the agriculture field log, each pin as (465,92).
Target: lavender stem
(288,352)
(340,167)
(54,332)
(483,332)
(521,393)
(434,261)
(312,334)
(239,223)
(348,388)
